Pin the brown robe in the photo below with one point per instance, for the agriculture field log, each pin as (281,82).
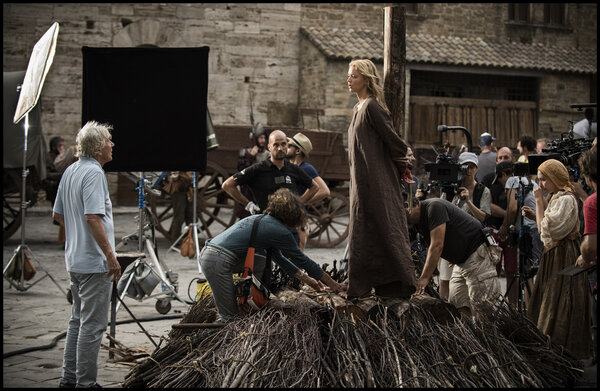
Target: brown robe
(379,253)
(561,306)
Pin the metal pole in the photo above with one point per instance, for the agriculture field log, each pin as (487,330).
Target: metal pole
(24,205)
(141,213)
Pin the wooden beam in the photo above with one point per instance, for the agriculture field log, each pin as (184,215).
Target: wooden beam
(394,64)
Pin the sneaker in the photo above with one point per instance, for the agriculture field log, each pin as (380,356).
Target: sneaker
(65,384)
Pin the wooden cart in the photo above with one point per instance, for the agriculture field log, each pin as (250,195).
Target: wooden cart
(216,211)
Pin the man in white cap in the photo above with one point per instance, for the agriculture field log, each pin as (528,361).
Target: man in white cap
(472,197)
(487,157)
(299,147)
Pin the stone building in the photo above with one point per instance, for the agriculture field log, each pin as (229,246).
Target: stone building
(486,67)
(508,68)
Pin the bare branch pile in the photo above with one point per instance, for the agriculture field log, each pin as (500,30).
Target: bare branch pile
(306,339)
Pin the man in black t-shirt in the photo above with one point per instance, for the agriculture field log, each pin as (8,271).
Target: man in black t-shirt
(458,237)
(266,177)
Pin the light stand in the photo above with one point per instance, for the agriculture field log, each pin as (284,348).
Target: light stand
(519,276)
(37,69)
(145,245)
(194,226)
(19,253)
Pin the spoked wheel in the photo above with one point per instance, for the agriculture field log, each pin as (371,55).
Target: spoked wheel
(328,221)
(11,203)
(214,208)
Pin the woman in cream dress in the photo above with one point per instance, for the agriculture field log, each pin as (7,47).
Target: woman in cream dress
(559,305)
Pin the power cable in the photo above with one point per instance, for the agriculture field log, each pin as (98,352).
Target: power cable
(63,334)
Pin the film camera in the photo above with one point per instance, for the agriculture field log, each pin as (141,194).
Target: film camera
(445,171)
(567,150)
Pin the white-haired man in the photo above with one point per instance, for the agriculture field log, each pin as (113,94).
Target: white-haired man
(83,205)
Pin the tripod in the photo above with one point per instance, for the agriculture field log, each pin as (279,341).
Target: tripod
(524,249)
(19,253)
(194,226)
(157,268)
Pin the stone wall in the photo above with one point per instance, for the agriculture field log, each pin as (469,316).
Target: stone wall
(490,20)
(258,50)
(255,49)
(557,92)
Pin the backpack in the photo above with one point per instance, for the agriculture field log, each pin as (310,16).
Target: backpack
(477,193)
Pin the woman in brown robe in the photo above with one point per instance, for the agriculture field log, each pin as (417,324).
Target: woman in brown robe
(379,253)
(559,305)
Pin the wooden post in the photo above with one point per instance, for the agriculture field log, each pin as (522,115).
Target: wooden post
(394,61)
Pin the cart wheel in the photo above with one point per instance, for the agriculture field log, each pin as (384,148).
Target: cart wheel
(162,213)
(215,208)
(163,306)
(328,221)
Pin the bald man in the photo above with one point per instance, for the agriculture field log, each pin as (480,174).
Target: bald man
(266,177)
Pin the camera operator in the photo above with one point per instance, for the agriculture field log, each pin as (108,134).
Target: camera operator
(560,305)
(472,197)
(587,127)
(499,207)
(519,187)
(526,146)
(460,238)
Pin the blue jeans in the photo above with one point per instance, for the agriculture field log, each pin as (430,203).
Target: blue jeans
(219,269)
(89,319)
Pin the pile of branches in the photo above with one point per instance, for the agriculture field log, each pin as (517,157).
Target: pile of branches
(307,341)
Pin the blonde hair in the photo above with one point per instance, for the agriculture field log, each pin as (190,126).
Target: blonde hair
(374,82)
(91,138)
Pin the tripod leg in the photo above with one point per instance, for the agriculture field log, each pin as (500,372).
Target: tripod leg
(46,274)
(196,244)
(10,262)
(176,242)
(138,322)
(126,286)
(113,318)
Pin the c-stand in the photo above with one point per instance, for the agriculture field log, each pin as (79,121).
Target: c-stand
(194,226)
(523,248)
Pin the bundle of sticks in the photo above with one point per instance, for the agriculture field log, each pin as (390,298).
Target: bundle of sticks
(309,339)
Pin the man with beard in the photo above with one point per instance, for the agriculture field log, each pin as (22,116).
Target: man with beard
(299,147)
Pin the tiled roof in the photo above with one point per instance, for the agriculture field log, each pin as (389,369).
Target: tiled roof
(347,44)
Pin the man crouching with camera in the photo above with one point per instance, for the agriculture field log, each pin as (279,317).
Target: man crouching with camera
(460,238)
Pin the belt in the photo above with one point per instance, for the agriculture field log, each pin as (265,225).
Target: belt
(221,250)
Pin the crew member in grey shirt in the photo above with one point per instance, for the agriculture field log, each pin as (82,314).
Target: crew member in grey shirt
(487,157)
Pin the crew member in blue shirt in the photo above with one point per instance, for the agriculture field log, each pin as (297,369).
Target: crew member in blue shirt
(224,255)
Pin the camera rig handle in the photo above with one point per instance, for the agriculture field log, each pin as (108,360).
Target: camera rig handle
(445,128)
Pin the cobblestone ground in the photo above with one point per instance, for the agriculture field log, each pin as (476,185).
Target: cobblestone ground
(35,317)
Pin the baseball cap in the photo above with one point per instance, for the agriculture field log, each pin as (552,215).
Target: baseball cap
(500,168)
(468,157)
(486,139)
(301,141)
